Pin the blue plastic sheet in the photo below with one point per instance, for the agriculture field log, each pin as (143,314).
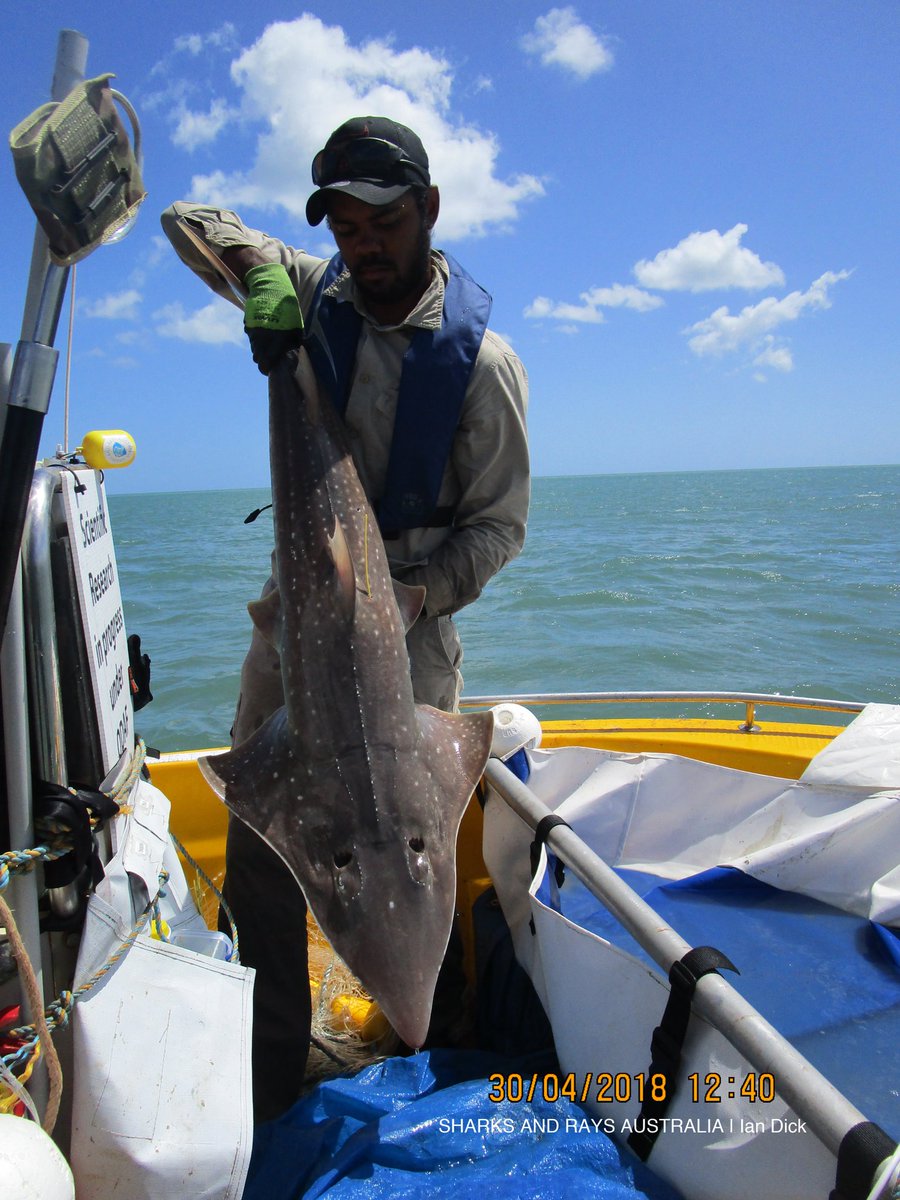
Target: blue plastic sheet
(828,981)
(425,1126)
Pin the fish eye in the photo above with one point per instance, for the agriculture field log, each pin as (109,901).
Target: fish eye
(417,844)
(342,858)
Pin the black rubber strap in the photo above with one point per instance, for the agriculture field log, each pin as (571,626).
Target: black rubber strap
(439,519)
(863,1149)
(541,830)
(668,1039)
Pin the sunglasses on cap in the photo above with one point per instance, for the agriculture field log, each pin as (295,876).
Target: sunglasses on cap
(366,158)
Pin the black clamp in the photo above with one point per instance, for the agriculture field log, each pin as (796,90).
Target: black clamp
(668,1039)
(64,813)
(541,830)
(862,1151)
(138,673)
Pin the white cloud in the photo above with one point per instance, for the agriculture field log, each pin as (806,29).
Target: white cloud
(593,301)
(541,308)
(561,39)
(118,306)
(702,262)
(215,324)
(622,295)
(223,38)
(724,333)
(160,248)
(192,43)
(195,129)
(302,78)
(775,356)
(180,98)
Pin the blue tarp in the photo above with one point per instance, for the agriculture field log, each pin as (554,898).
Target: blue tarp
(828,981)
(425,1126)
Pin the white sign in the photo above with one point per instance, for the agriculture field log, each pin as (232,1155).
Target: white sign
(97,581)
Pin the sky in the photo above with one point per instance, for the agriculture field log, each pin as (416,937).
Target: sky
(686,212)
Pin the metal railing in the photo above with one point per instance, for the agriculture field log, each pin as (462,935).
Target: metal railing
(750,700)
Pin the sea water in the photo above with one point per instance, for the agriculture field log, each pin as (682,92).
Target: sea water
(760,581)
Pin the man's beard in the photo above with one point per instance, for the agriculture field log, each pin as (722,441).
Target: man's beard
(396,286)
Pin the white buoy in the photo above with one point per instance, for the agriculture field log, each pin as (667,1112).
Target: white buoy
(32,1166)
(515,728)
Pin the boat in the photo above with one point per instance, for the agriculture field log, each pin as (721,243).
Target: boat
(610,1053)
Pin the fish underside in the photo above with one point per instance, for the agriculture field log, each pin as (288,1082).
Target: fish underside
(359,789)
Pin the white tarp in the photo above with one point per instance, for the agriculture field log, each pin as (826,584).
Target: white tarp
(162,1092)
(833,835)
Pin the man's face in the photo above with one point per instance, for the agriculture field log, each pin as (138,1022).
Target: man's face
(386,248)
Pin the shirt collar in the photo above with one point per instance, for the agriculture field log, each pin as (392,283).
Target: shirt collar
(427,314)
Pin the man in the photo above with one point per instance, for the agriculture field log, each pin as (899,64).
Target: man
(434,404)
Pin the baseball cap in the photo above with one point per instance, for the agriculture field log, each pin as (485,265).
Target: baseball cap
(372,158)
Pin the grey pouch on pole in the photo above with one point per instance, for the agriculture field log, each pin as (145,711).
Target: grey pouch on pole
(76,165)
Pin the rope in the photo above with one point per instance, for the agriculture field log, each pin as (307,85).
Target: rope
(137,764)
(37,1037)
(70,340)
(17,862)
(58,1011)
(18,1093)
(20,861)
(36,1005)
(235,955)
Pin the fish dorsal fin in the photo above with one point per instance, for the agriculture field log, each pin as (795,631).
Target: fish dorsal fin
(345,573)
(265,613)
(410,601)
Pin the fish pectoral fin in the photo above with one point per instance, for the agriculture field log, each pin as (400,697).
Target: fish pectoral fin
(254,779)
(410,600)
(464,741)
(266,615)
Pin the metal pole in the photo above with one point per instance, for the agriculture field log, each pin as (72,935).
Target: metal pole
(68,70)
(43,656)
(26,392)
(34,367)
(23,889)
(6,361)
(827,1112)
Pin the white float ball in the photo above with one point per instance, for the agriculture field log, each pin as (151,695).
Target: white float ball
(32,1166)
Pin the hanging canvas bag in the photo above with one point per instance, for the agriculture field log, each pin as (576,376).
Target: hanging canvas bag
(162,1092)
(74,161)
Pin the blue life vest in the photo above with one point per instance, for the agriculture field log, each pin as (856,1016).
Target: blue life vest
(433,382)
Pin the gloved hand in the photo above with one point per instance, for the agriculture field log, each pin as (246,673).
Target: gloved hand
(272,318)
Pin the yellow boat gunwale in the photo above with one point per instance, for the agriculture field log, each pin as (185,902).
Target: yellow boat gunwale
(778,748)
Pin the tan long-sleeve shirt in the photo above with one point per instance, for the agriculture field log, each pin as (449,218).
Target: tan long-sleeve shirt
(486,481)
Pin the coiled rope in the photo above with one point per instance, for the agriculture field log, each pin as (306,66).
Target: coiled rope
(36,1037)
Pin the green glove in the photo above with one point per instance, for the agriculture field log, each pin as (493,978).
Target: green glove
(272,319)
